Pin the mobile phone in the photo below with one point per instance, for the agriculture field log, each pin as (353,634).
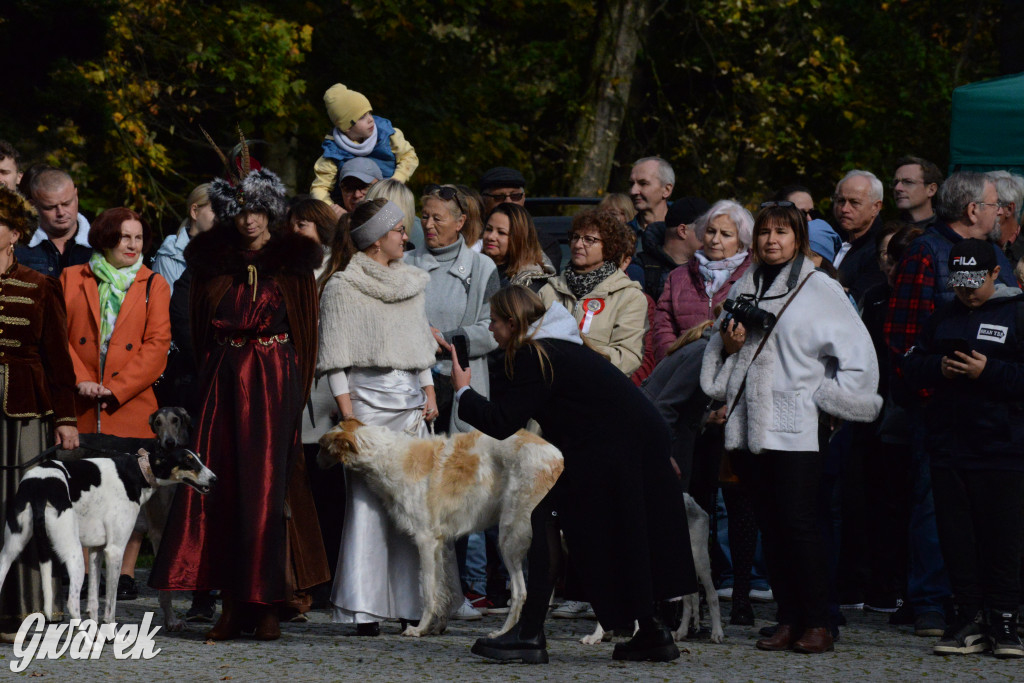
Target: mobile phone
(949,347)
(461,346)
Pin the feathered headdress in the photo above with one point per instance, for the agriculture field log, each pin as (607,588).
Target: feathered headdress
(248,190)
(17,213)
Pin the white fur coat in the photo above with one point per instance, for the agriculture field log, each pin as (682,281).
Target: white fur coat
(819,357)
(375,316)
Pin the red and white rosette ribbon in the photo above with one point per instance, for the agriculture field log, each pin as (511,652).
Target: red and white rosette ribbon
(593,307)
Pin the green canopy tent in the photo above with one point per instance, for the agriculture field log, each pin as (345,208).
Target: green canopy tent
(987,131)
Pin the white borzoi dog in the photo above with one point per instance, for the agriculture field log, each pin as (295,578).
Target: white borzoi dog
(699,525)
(91,503)
(440,488)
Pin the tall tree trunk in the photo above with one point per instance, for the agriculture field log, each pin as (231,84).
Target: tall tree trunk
(604,105)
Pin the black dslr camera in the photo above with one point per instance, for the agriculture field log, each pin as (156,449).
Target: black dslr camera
(746,312)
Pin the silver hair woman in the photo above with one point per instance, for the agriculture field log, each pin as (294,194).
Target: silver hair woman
(692,292)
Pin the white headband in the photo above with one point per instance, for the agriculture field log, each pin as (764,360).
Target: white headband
(372,230)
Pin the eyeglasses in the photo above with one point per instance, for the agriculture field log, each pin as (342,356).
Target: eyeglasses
(588,240)
(906,182)
(446,193)
(771,205)
(998,205)
(505,196)
(400,229)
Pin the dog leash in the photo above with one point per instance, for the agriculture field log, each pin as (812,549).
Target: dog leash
(49,452)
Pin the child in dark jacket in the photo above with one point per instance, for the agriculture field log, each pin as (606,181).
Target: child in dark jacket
(358,133)
(970,357)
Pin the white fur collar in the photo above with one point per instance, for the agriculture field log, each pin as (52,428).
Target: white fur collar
(391,283)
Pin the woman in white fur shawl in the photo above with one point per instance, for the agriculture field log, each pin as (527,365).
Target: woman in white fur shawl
(376,350)
(817,360)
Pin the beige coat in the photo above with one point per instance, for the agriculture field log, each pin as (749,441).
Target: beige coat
(619,321)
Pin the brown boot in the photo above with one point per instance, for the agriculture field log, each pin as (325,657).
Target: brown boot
(229,626)
(268,625)
(782,640)
(814,641)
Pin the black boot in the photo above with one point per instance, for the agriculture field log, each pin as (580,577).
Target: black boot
(652,643)
(510,646)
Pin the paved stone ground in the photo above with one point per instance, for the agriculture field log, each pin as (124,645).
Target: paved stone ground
(869,650)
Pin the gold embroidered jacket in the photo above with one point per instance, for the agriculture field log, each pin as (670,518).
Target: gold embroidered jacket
(34,347)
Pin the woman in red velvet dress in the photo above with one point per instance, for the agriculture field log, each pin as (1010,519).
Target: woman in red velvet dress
(254,327)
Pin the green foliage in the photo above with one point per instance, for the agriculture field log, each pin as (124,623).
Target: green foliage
(742,96)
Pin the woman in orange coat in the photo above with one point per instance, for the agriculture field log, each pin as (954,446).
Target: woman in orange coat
(119,329)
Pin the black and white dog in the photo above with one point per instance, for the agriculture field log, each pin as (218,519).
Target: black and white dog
(92,502)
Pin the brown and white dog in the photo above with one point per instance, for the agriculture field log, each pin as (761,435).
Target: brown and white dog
(440,488)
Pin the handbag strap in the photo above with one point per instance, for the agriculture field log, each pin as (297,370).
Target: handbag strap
(764,340)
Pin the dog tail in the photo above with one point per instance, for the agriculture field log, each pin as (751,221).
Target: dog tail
(44,551)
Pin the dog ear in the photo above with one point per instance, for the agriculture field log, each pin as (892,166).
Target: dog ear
(152,419)
(340,440)
(185,417)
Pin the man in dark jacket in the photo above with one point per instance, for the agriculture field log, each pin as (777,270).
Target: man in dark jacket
(669,244)
(856,205)
(62,238)
(970,356)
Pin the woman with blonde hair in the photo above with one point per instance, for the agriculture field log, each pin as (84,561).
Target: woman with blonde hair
(618,204)
(399,193)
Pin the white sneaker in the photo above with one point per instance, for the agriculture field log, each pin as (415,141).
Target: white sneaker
(467,612)
(573,609)
(725,593)
(762,596)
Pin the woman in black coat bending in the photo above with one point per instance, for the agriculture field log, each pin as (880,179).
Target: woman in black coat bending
(619,502)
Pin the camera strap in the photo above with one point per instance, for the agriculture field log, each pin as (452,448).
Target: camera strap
(764,339)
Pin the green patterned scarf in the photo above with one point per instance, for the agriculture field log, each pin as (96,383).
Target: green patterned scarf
(113,285)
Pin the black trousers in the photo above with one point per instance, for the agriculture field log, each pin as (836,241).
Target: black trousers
(786,497)
(978,516)
(889,499)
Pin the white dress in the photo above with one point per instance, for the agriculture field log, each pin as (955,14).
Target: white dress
(377,576)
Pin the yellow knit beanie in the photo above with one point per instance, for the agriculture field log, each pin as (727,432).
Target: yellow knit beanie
(345,106)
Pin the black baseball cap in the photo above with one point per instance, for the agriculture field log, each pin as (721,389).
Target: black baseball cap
(685,210)
(970,262)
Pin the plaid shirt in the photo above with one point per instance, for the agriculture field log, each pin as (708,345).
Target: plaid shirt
(913,299)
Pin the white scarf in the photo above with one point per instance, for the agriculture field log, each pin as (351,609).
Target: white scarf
(717,273)
(356,149)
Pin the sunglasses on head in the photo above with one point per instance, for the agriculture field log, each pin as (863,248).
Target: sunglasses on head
(446,193)
(771,205)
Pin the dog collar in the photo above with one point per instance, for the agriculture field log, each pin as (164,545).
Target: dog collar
(147,471)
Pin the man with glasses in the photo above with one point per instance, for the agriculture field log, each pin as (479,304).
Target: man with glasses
(1010,189)
(502,184)
(968,207)
(856,205)
(914,186)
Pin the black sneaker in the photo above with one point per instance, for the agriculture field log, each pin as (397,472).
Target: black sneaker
(963,638)
(930,624)
(203,607)
(126,588)
(1002,634)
